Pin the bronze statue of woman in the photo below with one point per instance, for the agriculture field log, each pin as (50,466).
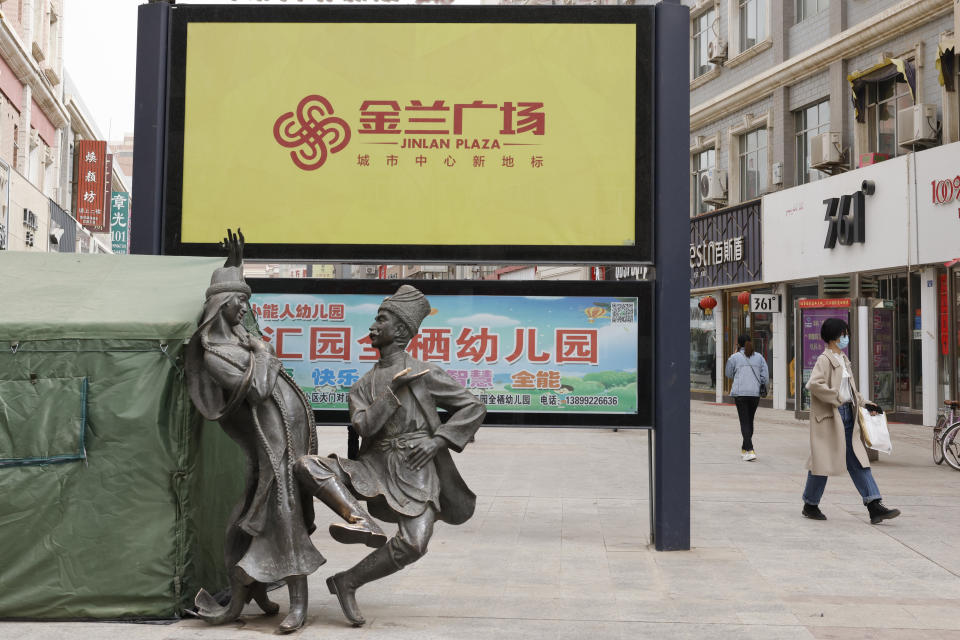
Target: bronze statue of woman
(235,378)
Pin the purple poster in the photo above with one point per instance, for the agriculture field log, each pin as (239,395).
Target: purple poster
(811,319)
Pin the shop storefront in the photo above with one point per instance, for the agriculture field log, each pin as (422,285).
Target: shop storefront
(725,272)
(869,236)
(938,222)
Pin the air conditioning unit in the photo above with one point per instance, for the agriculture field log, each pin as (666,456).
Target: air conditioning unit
(825,150)
(917,125)
(717,51)
(713,186)
(370,270)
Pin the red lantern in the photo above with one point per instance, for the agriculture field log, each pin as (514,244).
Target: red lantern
(707,304)
(744,299)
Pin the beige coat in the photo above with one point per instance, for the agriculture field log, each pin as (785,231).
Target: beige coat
(828,449)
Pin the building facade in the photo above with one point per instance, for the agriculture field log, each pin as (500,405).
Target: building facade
(41,117)
(798,102)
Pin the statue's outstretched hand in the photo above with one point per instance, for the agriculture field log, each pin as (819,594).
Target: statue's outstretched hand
(233,243)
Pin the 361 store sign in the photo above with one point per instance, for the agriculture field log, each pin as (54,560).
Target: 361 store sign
(846,217)
(945,191)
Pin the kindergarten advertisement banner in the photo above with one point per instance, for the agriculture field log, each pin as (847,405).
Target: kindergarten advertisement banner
(540,354)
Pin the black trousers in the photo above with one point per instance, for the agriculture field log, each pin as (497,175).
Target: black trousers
(746,409)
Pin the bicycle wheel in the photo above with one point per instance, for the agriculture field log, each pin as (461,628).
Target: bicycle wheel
(951,446)
(937,442)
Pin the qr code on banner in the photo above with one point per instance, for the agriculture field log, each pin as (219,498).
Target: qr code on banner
(621,312)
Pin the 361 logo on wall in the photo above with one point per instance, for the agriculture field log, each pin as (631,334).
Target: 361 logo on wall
(845,225)
(310,130)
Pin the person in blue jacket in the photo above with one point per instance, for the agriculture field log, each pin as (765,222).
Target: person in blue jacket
(748,369)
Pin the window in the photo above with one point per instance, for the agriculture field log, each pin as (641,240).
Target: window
(753,164)
(703,161)
(753,23)
(703,33)
(809,8)
(884,99)
(809,122)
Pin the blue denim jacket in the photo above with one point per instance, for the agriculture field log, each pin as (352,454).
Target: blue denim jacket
(744,382)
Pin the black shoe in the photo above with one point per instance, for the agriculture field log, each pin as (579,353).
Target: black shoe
(813,512)
(879,512)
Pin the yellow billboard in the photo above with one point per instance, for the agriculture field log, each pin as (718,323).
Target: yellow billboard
(410,133)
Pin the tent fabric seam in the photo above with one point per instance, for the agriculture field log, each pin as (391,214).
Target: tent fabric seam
(162,348)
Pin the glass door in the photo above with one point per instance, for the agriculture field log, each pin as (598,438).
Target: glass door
(907,359)
(737,322)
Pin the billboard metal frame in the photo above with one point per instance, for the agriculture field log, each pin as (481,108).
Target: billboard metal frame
(641,16)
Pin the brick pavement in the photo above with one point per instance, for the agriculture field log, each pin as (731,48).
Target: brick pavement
(559,549)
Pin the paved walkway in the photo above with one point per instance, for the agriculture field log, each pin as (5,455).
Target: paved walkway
(559,549)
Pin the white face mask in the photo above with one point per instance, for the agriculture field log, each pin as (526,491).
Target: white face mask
(843,342)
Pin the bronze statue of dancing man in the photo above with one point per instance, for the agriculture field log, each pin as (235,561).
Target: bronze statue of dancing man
(404,470)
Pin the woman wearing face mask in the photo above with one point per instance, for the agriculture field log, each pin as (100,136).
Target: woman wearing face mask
(836,444)
(749,371)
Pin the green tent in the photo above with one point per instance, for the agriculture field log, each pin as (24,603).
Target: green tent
(114,492)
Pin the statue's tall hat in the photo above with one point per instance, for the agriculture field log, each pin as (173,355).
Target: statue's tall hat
(227,280)
(409,305)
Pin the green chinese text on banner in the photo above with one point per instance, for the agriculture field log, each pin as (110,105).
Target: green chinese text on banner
(119,220)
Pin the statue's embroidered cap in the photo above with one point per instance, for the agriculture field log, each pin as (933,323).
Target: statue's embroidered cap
(227,280)
(409,305)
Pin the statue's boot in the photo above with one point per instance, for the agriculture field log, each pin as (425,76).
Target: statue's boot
(297,586)
(344,585)
(212,612)
(258,592)
(359,527)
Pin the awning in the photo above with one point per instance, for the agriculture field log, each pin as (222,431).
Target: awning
(889,68)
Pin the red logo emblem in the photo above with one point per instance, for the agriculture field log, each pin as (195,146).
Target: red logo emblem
(312,132)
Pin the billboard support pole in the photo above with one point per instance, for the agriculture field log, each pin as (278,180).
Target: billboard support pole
(671,325)
(150,118)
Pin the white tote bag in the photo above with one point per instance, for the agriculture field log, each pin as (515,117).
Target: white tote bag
(875,432)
